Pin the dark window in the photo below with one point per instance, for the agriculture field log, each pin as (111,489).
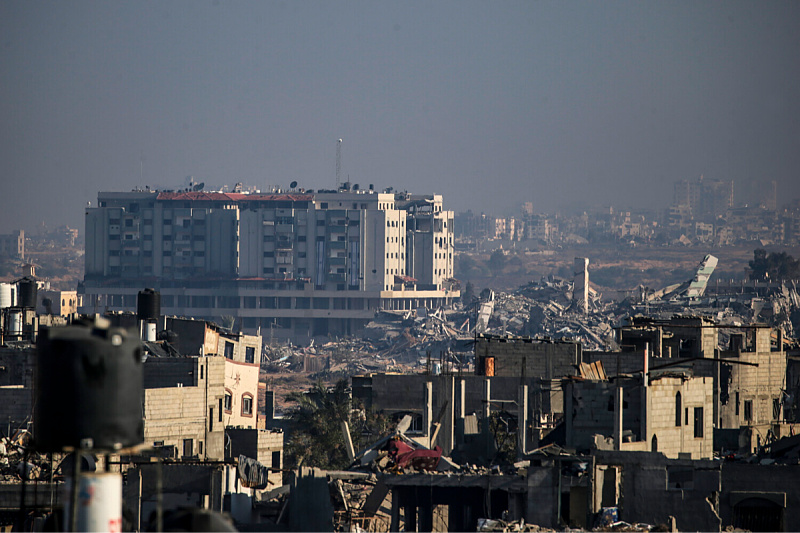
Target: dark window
(276,459)
(210,419)
(249,354)
(228,401)
(678,409)
(737,403)
(320,223)
(128,222)
(220,410)
(698,422)
(228,350)
(776,408)
(188,447)
(748,410)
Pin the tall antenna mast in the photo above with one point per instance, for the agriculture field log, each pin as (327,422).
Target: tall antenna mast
(338,162)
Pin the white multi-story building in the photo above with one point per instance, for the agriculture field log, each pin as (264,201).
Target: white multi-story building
(299,264)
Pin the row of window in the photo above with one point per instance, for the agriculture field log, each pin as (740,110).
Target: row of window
(247,403)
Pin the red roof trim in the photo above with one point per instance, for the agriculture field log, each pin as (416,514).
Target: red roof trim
(231,197)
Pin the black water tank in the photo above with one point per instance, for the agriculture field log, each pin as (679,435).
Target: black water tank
(89,386)
(148,304)
(26,293)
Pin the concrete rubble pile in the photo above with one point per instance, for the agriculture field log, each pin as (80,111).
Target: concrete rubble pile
(18,461)
(545,309)
(394,341)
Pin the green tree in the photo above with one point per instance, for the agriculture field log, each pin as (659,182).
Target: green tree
(497,261)
(469,294)
(773,266)
(316,426)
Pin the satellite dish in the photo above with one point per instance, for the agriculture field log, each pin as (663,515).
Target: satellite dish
(355,187)
(293,184)
(199,186)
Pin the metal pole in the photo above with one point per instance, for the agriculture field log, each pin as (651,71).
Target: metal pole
(76,472)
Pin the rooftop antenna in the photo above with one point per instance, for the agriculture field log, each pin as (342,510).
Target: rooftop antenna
(338,162)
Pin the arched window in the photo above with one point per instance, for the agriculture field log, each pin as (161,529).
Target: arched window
(678,409)
(247,404)
(654,444)
(228,405)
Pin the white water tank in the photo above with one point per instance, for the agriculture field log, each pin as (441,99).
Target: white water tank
(6,295)
(99,502)
(15,323)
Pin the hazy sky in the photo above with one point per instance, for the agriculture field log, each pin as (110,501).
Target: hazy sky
(564,104)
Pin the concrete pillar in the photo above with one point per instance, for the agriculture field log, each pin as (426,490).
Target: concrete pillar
(487,412)
(425,511)
(448,442)
(643,418)
(410,517)
(461,405)
(427,417)
(395,525)
(522,421)
(618,418)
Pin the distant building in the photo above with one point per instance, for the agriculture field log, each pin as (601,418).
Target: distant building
(13,244)
(707,199)
(299,264)
(52,302)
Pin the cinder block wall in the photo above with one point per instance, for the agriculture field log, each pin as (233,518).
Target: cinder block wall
(530,357)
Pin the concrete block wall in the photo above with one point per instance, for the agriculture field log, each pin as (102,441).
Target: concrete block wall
(17,366)
(16,408)
(647,496)
(672,439)
(589,411)
(16,387)
(170,372)
(616,363)
(529,357)
(760,385)
(270,442)
(773,483)
(174,414)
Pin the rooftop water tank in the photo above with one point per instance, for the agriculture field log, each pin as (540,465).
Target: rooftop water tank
(89,388)
(148,304)
(27,293)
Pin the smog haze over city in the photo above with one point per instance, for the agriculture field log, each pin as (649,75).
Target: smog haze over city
(569,105)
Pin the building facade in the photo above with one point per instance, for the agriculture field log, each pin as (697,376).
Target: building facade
(299,264)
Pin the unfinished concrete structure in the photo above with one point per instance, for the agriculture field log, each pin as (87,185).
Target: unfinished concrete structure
(669,414)
(748,369)
(455,408)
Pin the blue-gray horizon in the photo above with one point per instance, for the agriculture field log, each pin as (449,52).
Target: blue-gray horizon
(568,105)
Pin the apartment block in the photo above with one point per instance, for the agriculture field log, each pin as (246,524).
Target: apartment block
(301,265)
